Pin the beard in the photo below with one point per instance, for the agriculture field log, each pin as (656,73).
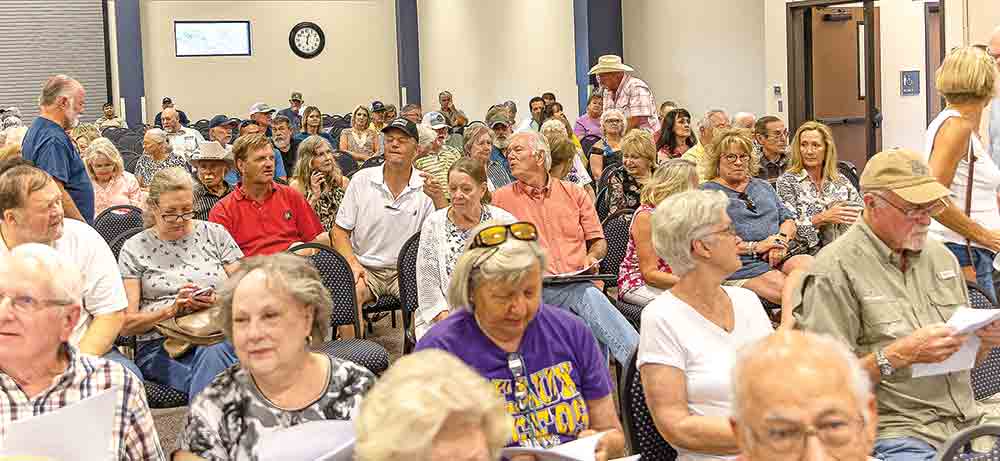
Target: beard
(501,143)
(916,239)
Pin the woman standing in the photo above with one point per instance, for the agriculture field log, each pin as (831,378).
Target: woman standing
(112,184)
(318,178)
(606,153)
(676,137)
(359,140)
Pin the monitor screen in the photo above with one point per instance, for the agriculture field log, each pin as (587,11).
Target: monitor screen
(212,38)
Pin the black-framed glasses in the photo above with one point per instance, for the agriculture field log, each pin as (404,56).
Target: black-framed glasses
(833,432)
(496,235)
(178,217)
(25,304)
(748,202)
(933,209)
(732,158)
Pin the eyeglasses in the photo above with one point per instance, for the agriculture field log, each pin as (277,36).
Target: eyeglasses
(776,134)
(25,304)
(791,438)
(176,218)
(748,202)
(730,229)
(496,235)
(732,158)
(614,120)
(935,208)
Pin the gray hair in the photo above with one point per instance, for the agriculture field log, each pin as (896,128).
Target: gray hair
(160,137)
(611,113)
(105,148)
(14,135)
(806,350)
(56,87)
(281,119)
(706,122)
(164,181)
(286,273)
(740,115)
(680,220)
(43,264)
(553,125)
(538,143)
(426,135)
(506,262)
(438,387)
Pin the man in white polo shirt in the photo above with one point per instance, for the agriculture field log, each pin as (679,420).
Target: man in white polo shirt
(382,207)
(31,212)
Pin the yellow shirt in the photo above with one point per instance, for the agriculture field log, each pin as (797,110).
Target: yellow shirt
(697,155)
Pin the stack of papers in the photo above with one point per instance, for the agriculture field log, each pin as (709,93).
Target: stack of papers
(330,440)
(577,450)
(965,321)
(48,436)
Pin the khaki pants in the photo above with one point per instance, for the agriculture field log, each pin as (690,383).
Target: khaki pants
(383,282)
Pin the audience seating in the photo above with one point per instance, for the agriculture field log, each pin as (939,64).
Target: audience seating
(986,375)
(602,183)
(118,242)
(339,279)
(616,232)
(132,140)
(851,172)
(374,161)
(346,163)
(408,289)
(327,121)
(115,220)
(956,448)
(601,204)
(640,431)
(130,159)
(587,143)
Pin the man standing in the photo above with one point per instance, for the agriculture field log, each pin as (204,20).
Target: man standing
(448,108)
(772,137)
(713,120)
(292,113)
(498,170)
(626,93)
(183,139)
(261,113)
(885,289)
(167,103)
(533,123)
(211,162)
(47,146)
(109,119)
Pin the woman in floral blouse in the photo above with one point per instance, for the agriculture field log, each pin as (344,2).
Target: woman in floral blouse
(112,184)
(823,201)
(639,160)
(319,179)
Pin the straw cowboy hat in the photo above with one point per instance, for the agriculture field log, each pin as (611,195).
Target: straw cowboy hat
(609,63)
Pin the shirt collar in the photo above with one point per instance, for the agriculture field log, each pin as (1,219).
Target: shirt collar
(782,159)
(885,254)
(415,182)
(535,192)
(240,193)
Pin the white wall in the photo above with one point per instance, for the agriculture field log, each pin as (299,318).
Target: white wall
(487,51)
(357,66)
(702,54)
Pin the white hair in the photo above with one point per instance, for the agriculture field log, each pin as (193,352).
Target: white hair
(740,115)
(506,263)
(706,122)
(43,264)
(426,135)
(159,136)
(680,220)
(538,144)
(14,135)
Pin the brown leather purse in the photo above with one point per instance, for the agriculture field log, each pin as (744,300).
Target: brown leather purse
(202,328)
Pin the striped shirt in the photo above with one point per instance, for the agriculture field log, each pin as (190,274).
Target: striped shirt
(134,435)
(437,165)
(205,200)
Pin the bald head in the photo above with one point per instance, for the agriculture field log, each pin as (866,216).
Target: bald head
(744,120)
(171,121)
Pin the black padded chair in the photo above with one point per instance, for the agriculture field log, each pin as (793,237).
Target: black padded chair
(130,159)
(374,161)
(640,431)
(602,183)
(616,232)
(339,279)
(118,242)
(111,222)
(587,143)
(327,121)
(851,172)
(129,141)
(162,396)
(346,163)
(408,289)
(601,204)
(957,447)
(986,375)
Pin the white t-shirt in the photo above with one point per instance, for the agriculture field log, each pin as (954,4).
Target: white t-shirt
(103,290)
(676,335)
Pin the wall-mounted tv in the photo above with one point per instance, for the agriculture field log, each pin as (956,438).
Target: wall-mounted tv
(212,38)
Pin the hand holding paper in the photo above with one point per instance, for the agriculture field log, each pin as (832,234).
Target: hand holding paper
(584,448)
(964,321)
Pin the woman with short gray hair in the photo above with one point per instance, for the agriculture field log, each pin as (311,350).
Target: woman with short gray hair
(690,333)
(274,309)
(158,154)
(500,328)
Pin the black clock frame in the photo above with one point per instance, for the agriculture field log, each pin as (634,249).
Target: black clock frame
(296,50)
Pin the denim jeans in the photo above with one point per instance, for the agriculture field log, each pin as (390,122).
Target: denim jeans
(982,261)
(903,449)
(115,355)
(608,324)
(189,373)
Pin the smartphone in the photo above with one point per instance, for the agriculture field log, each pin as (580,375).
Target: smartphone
(203,292)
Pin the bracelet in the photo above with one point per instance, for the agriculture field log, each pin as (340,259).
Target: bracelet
(751,246)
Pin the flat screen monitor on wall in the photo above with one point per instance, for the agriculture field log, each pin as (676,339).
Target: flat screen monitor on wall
(212,38)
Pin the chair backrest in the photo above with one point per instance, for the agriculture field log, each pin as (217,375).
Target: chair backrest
(587,143)
(408,288)
(616,233)
(602,183)
(601,204)
(986,375)
(117,219)
(640,430)
(955,445)
(130,163)
(327,120)
(339,279)
(374,161)
(851,172)
(346,163)
(119,241)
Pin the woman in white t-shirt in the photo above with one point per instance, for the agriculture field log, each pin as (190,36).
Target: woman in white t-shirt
(691,333)
(966,80)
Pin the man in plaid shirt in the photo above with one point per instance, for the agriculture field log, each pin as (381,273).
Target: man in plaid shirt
(40,297)
(626,93)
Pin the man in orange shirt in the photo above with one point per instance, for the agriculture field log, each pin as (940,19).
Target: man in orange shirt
(571,235)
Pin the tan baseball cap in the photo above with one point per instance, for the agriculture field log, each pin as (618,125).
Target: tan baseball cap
(904,172)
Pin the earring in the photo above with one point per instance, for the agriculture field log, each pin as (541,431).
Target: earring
(309,340)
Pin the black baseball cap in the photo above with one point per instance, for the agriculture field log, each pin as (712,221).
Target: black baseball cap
(167,100)
(377,106)
(220,120)
(404,125)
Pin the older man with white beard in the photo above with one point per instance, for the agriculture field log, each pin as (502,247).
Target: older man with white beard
(283,142)
(211,162)
(498,169)
(184,140)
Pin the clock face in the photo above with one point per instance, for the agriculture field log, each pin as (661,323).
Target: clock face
(307,40)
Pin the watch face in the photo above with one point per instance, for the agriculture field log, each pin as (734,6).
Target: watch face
(307,40)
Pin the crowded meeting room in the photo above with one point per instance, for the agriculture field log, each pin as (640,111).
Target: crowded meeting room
(438,232)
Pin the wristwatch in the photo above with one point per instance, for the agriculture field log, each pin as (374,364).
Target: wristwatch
(885,368)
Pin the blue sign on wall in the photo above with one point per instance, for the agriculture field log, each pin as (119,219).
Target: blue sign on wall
(909,82)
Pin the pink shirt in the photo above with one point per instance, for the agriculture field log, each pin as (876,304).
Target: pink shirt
(634,99)
(123,190)
(629,275)
(564,215)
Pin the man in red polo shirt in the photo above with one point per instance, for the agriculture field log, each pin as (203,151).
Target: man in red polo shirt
(264,217)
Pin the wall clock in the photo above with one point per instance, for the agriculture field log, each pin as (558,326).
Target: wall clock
(307,40)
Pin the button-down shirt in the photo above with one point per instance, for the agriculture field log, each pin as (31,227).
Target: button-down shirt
(263,228)
(133,435)
(799,194)
(771,170)
(856,292)
(564,215)
(204,199)
(185,141)
(498,170)
(635,100)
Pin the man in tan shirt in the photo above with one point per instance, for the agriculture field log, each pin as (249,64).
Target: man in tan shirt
(885,290)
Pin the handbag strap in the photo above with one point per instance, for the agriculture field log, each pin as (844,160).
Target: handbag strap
(968,193)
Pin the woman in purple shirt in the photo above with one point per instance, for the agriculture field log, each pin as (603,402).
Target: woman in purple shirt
(541,359)
(589,124)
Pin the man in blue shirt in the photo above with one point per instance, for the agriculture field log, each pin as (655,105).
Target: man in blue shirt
(47,146)
(292,112)
(251,127)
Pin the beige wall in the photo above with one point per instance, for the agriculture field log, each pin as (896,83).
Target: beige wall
(487,51)
(982,17)
(357,66)
(702,54)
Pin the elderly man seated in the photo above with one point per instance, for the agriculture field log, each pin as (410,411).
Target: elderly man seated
(714,119)
(220,129)
(571,235)
(211,162)
(264,217)
(31,212)
(790,386)
(41,293)
(183,139)
(885,290)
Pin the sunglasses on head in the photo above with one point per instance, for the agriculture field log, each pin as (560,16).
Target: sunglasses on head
(496,235)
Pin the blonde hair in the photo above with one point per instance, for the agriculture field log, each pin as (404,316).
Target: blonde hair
(829,168)
(354,117)
(967,75)
(721,143)
(672,177)
(88,131)
(164,181)
(103,147)
(306,154)
(640,143)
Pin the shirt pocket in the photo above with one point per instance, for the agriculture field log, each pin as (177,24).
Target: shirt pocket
(883,322)
(946,302)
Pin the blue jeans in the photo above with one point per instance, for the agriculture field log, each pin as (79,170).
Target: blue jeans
(608,324)
(116,356)
(189,373)
(903,449)
(982,261)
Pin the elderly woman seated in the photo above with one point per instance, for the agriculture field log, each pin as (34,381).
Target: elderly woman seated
(764,224)
(443,238)
(691,333)
(273,309)
(318,178)
(607,153)
(638,160)
(112,184)
(158,154)
(458,413)
(170,270)
(643,275)
(823,201)
(525,348)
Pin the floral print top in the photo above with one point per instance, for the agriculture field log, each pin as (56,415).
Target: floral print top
(799,194)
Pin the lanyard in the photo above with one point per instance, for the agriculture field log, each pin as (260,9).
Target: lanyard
(521,387)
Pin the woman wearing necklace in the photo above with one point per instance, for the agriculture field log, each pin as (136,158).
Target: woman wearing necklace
(540,358)
(969,226)
(443,237)
(360,140)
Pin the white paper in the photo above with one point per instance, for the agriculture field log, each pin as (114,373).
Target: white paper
(577,450)
(80,431)
(629,458)
(577,272)
(330,440)
(965,321)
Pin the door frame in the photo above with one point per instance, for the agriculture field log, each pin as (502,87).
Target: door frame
(930,67)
